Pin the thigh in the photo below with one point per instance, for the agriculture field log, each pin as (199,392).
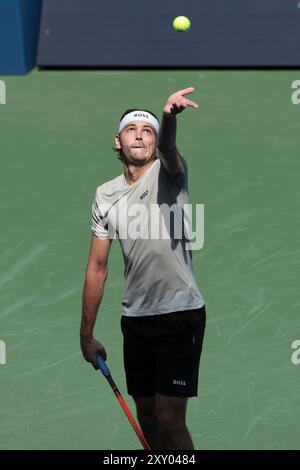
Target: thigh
(172,407)
(145,405)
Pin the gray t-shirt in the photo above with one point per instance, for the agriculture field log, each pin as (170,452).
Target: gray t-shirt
(158,267)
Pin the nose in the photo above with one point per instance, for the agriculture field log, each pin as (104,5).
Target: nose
(139,134)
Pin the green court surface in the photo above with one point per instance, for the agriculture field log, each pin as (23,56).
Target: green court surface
(242,145)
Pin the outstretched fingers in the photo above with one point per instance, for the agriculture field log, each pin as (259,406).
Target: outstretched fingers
(186,90)
(191,103)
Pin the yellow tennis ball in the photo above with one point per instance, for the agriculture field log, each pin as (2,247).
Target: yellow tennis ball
(181,24)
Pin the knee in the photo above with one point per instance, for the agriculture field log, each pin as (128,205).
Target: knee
(145,415)
(169,421)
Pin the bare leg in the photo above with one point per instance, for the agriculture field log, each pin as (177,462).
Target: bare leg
(170,412)
(146,416)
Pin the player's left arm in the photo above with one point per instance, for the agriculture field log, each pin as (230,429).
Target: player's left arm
(168,152)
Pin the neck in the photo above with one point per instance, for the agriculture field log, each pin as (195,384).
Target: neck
(132,173)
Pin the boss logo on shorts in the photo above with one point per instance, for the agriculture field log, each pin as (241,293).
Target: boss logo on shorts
(179,382)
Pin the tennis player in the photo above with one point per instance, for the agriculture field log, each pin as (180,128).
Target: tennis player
(163,318)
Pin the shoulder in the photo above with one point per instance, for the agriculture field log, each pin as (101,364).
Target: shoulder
(184,162)
(110,188)
(182,178)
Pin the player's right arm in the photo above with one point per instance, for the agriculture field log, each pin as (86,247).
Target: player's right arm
(95,277)
(169,154)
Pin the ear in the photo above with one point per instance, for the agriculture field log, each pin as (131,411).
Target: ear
(117,142)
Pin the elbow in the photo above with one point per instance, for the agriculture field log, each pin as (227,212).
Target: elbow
(102,273)
(97,270)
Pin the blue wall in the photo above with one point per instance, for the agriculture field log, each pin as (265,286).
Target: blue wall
(139,33)
(19,28)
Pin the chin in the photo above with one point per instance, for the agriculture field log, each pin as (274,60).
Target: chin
(139,158)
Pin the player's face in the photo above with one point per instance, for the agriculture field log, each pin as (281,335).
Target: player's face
(137,142)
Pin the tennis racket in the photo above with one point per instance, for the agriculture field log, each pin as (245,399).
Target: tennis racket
(106,372)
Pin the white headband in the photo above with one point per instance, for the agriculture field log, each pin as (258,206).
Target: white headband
(139,116)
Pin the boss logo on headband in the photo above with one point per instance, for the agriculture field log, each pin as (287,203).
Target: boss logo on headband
(141,115)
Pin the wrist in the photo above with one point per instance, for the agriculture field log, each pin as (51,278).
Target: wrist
(167,113)
(86,336)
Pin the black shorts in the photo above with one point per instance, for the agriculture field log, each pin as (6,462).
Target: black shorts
(162,353)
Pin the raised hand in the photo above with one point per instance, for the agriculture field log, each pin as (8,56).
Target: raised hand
(177,102)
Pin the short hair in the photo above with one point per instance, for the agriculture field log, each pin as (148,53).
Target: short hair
(130,110)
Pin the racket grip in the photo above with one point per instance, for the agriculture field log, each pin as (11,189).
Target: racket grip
(102,366)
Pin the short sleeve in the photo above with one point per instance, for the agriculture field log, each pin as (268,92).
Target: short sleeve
(98,227)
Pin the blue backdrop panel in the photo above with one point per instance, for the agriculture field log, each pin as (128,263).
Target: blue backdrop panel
(139,33)
(19,28)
